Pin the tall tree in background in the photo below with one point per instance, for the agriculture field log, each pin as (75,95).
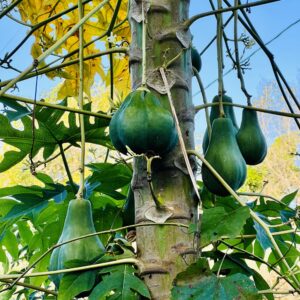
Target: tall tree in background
(189,243)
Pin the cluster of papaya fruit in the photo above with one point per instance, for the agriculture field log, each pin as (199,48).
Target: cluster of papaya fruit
(230,148)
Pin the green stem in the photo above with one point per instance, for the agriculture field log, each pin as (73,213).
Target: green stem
(18,21)
(53,47)
(81,102)
(144,56)
(267,111)
(110,231)
(66,165)
(30,286)
(78,269)
(252,214)
(220,59)
(55,106)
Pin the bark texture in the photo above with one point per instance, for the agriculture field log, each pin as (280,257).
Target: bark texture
(164,250)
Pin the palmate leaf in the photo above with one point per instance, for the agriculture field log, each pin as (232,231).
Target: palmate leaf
(31,200)
(49,133)
(237,286)
(120,280)
(216,222)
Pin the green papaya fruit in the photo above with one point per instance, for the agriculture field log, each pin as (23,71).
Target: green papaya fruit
(129,209)
(143,125)
(196,59)
(224,155)
(215,113)
(250,138)
(78,222)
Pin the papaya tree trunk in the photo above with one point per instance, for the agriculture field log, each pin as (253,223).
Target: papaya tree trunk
(164,250)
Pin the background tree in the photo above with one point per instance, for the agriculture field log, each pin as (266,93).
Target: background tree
(185,248)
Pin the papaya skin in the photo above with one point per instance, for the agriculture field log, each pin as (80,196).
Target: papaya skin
(224,155)
(196,59)
(250,138)
(215,113)
(78,222)
(143,125)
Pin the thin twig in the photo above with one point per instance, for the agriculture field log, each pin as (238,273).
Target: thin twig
(30,286)
(190,21)
(66,165)
(55,106)
(267,111)
(9,8)
(44,70)
(237,57)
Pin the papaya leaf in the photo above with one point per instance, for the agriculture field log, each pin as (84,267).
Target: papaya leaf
(50,131)
(31,199)
(13,110)
(262,237)
(287,199)
(211,287)
(73,284)
(216,222)
(110,178)
(122,281)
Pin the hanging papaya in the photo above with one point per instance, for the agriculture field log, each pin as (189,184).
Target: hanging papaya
(78,222)
(129,209)
(196,59)
(215,113)
(143,125)
(250,138)
(224,155)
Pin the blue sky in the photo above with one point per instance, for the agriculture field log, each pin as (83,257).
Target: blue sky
(269,20)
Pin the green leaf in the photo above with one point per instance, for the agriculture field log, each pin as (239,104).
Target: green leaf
(122,281)
(50,131)
(16,110)
(110,177)
(73,284)
(261,284)
(237,286)
(11,244)
(216,223)
(287,199)
(262,237)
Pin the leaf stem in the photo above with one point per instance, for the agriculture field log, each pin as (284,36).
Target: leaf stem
(237,56)
(220,59)
(83,268)
(190,21)
(144,56)
(55,106)
(81,102)
(68,63)
(30,286)
(268,111)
